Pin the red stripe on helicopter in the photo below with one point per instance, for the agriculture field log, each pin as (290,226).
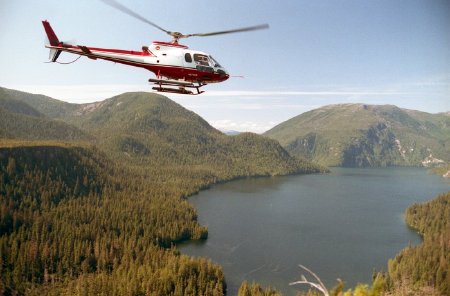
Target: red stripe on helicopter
(121,51)
(106,50)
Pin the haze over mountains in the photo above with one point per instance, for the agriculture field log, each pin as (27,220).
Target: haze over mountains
(358,135)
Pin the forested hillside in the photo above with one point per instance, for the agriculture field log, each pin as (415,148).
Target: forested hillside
(52,108)
(100,212)
(70,222)
(167,143)
(357,135)
(19,120)
(428,264)
(149,128)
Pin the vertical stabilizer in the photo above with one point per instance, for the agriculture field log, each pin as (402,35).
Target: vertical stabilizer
(54,41)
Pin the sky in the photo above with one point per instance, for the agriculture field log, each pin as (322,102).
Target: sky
(315,53)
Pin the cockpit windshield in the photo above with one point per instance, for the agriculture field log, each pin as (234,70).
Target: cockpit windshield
(214,62)
(201,59)
(204,60)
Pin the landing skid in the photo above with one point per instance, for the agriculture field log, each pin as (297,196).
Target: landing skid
(182,85)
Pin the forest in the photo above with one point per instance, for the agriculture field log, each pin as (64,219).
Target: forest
(428,264)
(72,221)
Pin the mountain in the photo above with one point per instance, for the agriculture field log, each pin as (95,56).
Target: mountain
(149,132)
(20,120)
(149,129)
(359,135)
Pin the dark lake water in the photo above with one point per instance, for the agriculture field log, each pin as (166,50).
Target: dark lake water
(345,224)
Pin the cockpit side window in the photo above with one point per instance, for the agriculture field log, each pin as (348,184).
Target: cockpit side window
(188,57)
(201,59)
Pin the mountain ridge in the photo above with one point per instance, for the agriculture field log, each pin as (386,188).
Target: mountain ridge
(158,130)
(149,131)
(361,135)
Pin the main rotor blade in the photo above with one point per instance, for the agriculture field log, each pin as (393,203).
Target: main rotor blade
(128,11)
(252,28)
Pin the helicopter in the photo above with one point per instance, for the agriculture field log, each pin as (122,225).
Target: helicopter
(178,69)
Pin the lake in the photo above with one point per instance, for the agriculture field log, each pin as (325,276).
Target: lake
(345,224)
